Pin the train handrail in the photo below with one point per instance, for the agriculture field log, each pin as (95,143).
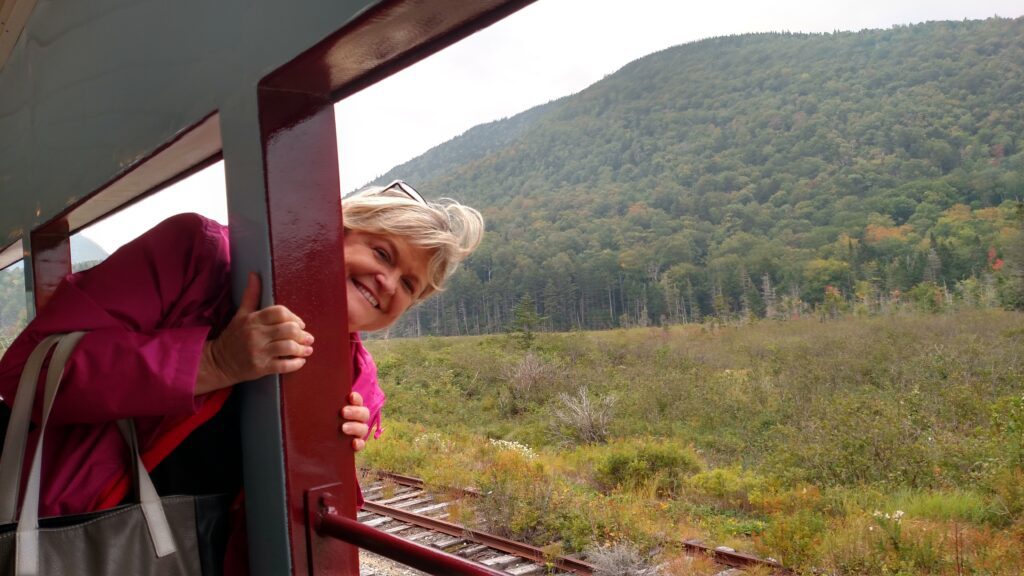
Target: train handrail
(328,522)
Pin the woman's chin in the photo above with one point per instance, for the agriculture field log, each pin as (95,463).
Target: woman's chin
(360,314)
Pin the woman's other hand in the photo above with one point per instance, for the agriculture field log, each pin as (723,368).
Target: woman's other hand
(255,343)
(356,417)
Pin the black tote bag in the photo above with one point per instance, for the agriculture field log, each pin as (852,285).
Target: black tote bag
(171,536)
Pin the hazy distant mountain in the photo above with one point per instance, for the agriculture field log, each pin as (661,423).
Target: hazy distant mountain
(85,250)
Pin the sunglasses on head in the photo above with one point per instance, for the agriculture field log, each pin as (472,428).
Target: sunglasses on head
(406,189)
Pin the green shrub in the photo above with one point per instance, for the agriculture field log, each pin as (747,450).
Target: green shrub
(793,539)
(516,492)
(927,296)
(637,464)
(1008,421)
(729,486)
(1008,487)
(397,450)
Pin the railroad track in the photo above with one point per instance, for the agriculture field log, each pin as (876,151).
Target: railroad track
(411,513)
(400,505)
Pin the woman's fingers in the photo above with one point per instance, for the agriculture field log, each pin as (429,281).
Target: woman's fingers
(258,342)
(355,429)
(280,341)
(278,314)
(287,348)
(356,416)
(286,365)
(356,413)
(289,331)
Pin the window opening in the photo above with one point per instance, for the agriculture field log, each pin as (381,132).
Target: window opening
(204,193)
(13,308)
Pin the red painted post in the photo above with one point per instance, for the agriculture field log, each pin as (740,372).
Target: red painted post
(300,171)
(304,218)
(51,259)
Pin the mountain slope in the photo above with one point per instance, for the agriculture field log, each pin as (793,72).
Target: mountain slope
(720,176)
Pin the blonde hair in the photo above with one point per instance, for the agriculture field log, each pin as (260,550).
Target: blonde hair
(450,230)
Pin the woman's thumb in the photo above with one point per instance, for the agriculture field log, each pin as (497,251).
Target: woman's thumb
(251,296)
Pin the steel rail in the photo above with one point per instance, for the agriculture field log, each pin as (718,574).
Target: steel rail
(419,483)
(733,558)
(411,554)
(526,551)
(726,557)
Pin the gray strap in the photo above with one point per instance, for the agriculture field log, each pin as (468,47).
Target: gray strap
(17,431)
(27,551)
(149,500)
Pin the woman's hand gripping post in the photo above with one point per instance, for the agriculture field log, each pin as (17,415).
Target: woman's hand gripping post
(355,417)
(256,342)
(272,340)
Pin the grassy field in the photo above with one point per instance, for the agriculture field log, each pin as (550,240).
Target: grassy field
(886,445)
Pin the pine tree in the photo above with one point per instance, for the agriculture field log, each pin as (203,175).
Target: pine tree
(525,321)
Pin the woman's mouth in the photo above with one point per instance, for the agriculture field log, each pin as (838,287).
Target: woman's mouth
(366,294)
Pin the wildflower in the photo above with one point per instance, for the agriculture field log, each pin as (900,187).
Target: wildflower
(513,446)
(432,441)
(895,516)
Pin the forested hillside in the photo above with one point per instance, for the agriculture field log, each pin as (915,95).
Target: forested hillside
(13,314)
(755,175)
(12,304)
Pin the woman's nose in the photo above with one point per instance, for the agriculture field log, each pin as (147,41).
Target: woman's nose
(388,282)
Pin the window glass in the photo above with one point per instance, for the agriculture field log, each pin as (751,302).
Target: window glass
(13,309)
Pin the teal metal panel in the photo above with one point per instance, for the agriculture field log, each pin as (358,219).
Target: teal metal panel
(93,87)
(267,523)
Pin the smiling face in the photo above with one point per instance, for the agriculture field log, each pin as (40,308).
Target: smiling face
(384,276)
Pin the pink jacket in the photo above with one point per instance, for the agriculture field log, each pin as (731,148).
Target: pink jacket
(148,309)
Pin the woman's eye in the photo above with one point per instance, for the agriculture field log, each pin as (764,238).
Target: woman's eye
(383,254)
(409,286)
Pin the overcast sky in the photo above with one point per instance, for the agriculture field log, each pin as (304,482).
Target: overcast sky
(547,50)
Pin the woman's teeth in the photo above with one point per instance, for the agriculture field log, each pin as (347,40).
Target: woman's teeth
(369,297)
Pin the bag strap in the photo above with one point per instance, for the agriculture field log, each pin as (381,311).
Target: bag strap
(28,550)
(17,431)
(149,499)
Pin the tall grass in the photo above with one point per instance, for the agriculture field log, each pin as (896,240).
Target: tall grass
(782,437)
